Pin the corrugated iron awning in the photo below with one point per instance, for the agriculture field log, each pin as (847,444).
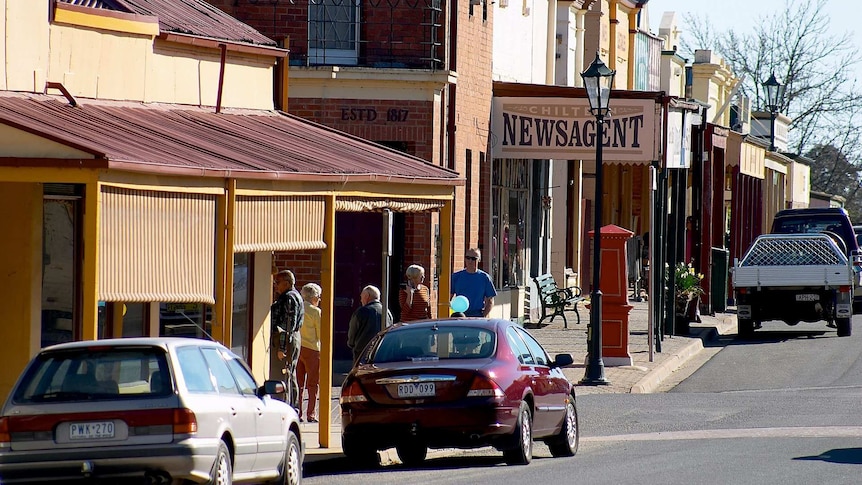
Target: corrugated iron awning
(185,140)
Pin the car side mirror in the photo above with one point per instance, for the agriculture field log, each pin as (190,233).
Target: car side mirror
(271,387)
(562,360)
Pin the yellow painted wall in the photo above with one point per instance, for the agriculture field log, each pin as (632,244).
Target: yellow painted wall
(24,60)
(799,185)
(260,315)
(18,143)
(111,65)
(21,260)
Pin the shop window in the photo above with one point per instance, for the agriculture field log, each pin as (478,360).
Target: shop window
(134,318)
(177,319)
(509,193)
(241,296)
(61,224)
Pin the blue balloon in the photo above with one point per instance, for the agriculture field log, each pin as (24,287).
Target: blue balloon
(459,304)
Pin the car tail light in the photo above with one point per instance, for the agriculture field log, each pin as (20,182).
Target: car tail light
(484,387)
(844,289)
(5,435)
(742,290)
(185,421)
(353,393)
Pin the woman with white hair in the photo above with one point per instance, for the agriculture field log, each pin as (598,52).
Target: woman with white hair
(308,367)
(414,297)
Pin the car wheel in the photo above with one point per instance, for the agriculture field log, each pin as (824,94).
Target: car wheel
(745,328)
(358,452)
(566,442)
(845,326)
(290,468)
(222,471)
(411,452)
(522,453)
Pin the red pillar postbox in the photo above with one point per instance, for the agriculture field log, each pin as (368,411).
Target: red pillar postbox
(614,286)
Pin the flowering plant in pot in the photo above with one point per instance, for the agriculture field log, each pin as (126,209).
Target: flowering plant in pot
(686,287)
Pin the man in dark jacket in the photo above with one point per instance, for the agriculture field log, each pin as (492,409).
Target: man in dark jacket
(365,322)
(287,313)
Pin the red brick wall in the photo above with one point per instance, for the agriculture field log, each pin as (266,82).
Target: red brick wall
(304,264)
(419,249)
(474,46)
(376,120)
(389,30)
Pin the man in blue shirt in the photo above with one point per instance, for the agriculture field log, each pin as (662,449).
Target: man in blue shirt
(474,284)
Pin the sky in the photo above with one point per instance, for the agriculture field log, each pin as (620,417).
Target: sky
(742,15)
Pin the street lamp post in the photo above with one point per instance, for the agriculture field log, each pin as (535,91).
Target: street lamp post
(598,79)
(774,94)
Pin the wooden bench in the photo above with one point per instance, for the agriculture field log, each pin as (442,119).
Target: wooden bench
(556,300)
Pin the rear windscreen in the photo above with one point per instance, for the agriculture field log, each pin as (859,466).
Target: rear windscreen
(434,343)
(814,225)
(90,375)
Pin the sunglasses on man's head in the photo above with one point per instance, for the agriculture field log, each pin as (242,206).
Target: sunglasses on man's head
(472,258)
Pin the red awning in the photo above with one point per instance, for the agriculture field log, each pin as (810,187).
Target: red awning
(187,140)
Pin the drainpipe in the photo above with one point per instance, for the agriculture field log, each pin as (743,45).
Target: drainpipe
(223,48)
(580,15)
(612,47)
(551,53)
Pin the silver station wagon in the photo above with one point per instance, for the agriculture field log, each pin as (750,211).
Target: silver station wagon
(165,410)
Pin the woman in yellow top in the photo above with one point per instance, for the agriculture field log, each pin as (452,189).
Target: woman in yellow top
(308,367)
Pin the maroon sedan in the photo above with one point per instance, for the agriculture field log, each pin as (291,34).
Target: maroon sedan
(457,383)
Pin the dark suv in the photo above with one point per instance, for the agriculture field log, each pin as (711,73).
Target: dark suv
(834,221)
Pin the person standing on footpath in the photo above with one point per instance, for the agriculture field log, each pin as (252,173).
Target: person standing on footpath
(308,369)
(365,321)
(414,297)
(287,313)
(474,284)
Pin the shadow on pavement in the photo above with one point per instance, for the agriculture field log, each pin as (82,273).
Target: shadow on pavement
(849,456)
(343,466)
(766,336)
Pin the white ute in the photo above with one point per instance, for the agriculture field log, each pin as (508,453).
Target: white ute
(793,278)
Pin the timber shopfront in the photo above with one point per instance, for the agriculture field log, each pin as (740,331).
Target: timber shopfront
(125,219)
(543,142)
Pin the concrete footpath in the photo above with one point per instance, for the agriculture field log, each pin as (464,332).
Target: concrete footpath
(645,375)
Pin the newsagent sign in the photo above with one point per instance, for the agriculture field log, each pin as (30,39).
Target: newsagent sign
(564,129)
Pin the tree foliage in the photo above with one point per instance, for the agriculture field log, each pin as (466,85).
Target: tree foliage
(822,96)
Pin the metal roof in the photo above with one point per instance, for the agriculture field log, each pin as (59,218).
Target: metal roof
(188,140)
(189,17)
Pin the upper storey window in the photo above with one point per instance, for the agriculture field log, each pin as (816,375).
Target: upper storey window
(333,32)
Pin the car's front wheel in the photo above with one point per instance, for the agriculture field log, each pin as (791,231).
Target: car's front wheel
(222,471)
(522,453)
(566,442)
(290,471)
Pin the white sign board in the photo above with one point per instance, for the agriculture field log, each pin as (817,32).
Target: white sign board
(564,129)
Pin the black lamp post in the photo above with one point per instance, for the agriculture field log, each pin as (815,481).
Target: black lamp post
(774,95)
(598,79)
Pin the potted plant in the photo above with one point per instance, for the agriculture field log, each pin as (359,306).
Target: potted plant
(687,293)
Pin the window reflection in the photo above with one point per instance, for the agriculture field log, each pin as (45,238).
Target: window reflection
(59,270)
(509,196)
(185,320)
(241,291)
